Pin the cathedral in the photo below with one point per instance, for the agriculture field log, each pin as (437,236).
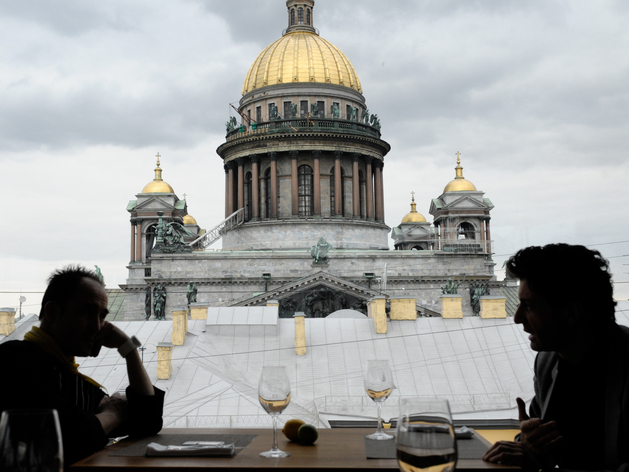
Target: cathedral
(304,225)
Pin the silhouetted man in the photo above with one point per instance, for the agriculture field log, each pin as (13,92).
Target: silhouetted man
(41,372)
(579,417)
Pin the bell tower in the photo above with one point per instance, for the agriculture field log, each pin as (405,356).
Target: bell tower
(461,216)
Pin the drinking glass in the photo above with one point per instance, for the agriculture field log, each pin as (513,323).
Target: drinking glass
(274,396)
(378,384)
(30,441)
(425,436)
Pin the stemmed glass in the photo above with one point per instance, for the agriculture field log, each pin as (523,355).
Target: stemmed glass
(425,436)
(378,384)
(30,441)
(274,396)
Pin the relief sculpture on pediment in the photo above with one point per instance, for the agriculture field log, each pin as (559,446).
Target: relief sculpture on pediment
(319,302)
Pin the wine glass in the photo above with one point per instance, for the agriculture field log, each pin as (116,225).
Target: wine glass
(378,384)
(30,441)
(274,396)
(425,436)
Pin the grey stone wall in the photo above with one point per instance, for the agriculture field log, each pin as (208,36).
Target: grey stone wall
(303,233)
(225,277)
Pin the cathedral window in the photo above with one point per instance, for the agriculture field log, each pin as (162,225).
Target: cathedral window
(248,197)
(303,108)
(348,112)
(292,17)
(308,16)
(306,199)
(287,110)
(466,231)
(259,114)
(300,16)
(272,112)
(321,107)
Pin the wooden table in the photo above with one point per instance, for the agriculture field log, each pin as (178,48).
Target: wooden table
(335,450)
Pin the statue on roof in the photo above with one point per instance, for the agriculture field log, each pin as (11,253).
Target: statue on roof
(365,116)
(159,302)
(319,252)
(335,110)
(191,293)
(354,115)
(231,124)
(451,287)
(99,274)
(375,121)
(477,290)
(170,237)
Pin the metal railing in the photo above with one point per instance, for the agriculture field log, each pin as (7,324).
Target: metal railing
(465,246)
(303,124)
(235,219)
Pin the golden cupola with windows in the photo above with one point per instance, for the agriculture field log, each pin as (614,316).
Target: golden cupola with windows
(303,154)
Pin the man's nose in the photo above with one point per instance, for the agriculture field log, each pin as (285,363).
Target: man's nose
(518,318)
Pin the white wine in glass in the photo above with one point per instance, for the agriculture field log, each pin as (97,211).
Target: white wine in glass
(30,441)
(378,385)
(274,396)
(425,436)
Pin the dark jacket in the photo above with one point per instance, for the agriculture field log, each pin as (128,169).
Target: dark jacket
(615,362)
(31,378)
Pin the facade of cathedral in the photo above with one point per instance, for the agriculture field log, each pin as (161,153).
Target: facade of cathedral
(304,204)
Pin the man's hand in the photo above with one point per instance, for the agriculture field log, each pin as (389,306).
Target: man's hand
(537,441)
(109,336)
(112,411)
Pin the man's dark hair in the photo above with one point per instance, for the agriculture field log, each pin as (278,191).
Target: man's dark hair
(563,273)
(64,283)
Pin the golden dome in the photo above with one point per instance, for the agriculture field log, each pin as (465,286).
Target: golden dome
(189,220)
(157,185)
(414,216)
(301,56)
(459,184)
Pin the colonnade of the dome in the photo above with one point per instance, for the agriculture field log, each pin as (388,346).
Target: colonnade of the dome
(294,184)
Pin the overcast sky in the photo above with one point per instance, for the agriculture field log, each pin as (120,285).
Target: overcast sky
(535,96)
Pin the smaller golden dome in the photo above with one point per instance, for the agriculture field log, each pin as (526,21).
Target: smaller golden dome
(189,220)
(157,185)
(459,184)
(414,216)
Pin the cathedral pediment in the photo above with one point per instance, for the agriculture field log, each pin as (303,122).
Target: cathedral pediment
(316,295)
(465,203)
(156,204)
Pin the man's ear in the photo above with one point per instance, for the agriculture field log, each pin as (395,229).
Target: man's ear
(574,312)
(51,313)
